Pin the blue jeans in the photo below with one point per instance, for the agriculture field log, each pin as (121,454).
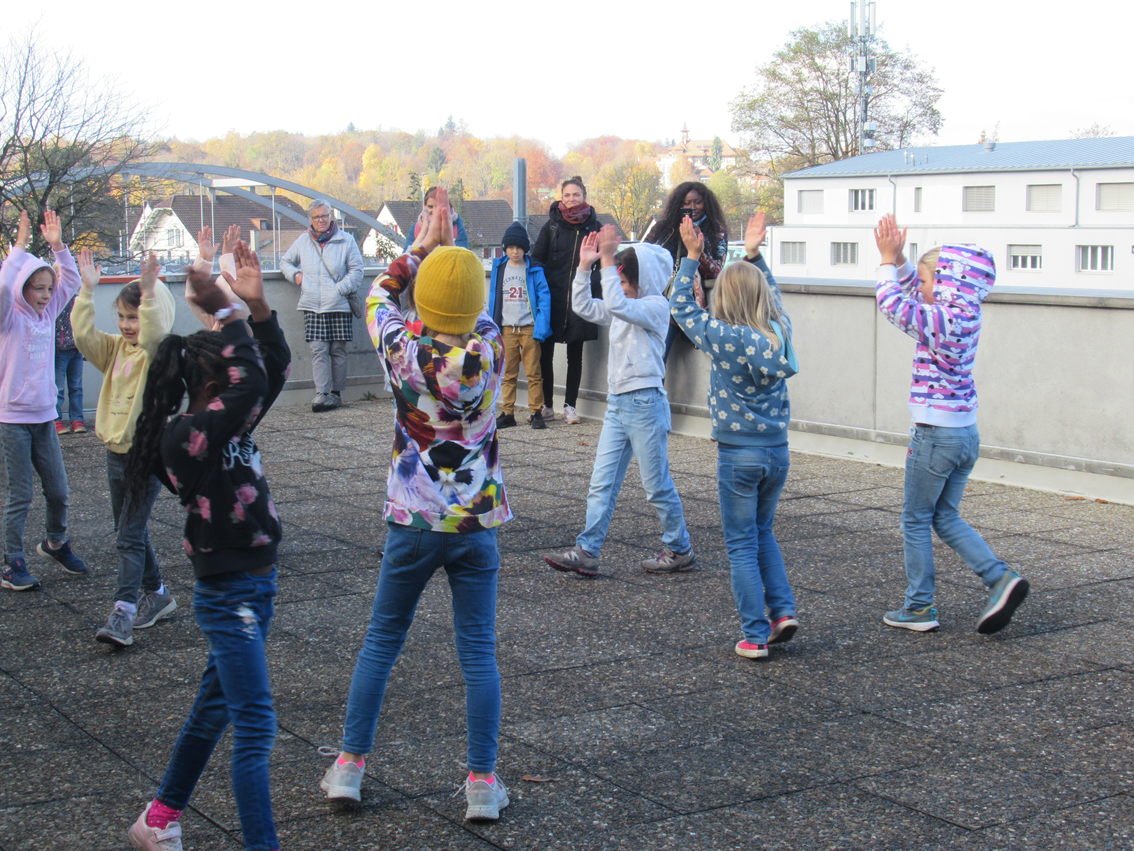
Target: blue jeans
(749,482)
(938,465)
(28,448)
(234,611)
(137,564)
(471,562)
(636,426)
(69,377)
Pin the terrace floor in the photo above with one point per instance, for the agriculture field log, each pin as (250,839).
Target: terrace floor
(629,723)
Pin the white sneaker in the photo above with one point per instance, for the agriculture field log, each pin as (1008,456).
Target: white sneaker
(485,801)
(547,413)
(570,415)
(146,838)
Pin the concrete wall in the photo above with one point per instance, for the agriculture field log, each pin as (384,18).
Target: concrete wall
(1055,376)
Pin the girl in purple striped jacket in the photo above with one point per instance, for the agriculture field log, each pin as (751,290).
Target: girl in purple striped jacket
(938,303)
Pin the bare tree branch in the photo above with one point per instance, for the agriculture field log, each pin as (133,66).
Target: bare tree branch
(65,139)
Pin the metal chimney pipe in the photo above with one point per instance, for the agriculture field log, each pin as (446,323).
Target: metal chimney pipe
(520,190)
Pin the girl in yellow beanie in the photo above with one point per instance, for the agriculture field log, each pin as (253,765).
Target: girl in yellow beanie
(444,497)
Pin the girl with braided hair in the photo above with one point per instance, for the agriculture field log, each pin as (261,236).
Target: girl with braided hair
(207,456)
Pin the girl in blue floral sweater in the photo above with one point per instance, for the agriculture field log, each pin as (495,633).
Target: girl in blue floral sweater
(749,341)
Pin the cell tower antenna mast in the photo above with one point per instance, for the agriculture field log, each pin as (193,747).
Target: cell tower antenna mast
(861,28)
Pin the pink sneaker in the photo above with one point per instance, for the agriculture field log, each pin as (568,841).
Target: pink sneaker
(783,629)
(146,838)
(751,651)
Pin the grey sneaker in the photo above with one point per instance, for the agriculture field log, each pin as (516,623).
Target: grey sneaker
(485,800)
(343,782)
(119,629)
(333,400)
(919,620)
(153,607)
(319,403)
(668,561)
(1007,595)
(575,560)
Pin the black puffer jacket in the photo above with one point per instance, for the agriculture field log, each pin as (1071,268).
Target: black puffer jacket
(557,249)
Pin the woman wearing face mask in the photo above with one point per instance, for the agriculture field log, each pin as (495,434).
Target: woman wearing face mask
(557,249)
(698,202)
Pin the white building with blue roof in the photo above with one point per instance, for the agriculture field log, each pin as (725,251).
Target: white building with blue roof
(1056,215)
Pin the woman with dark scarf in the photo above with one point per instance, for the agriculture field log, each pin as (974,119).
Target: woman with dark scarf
(697,201)
(326,264)
(557,249)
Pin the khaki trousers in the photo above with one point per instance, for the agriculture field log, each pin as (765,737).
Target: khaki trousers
(519,346)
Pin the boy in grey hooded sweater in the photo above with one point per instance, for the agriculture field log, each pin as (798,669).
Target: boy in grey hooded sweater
(637,421)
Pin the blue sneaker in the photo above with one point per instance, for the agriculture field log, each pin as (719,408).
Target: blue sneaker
(64,557)
(1007,595)
(16,577)
(919,620)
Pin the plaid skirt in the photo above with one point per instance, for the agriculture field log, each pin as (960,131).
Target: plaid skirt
(327,327)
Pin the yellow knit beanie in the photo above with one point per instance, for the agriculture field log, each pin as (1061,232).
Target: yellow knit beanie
(449,293)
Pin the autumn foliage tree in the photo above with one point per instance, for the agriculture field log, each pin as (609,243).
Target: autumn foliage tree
(630,190)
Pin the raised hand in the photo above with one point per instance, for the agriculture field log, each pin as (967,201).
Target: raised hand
(248,285)
(754,235)
(693,238)
(698,291)
(150,269)
(890,239)
(442,201)
(23,233)
(52,231)
(88,271)
(203,292)
(439,224)
(608,242)
(231,237)
(205,245)
(588,251)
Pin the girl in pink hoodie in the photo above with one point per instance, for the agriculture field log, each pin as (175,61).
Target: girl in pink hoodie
(32,295)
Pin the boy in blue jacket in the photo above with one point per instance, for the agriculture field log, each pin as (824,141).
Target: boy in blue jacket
(519,301)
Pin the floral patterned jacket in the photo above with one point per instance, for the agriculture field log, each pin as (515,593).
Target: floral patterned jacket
(445,468)
(211,462)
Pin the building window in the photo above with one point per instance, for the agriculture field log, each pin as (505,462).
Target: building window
(844,253)
(793,252)
(1045,198)
(173,237)
(861,200)
(979,199)
(913,256)
(1115,198)
(810,200)
(1026,256)
(1094,258)
(917,199)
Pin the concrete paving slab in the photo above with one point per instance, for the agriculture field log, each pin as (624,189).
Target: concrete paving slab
(624,690)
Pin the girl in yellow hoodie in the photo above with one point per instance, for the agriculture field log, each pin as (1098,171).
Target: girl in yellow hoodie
(145,315)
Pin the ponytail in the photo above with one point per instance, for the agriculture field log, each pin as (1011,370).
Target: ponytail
(180,366)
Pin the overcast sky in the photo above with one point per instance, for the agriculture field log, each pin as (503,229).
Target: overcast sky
(562,72)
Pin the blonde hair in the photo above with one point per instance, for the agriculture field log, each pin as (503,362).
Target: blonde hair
(929,259)
(744,298)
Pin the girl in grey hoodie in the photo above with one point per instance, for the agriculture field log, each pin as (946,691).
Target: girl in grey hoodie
(637,421)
